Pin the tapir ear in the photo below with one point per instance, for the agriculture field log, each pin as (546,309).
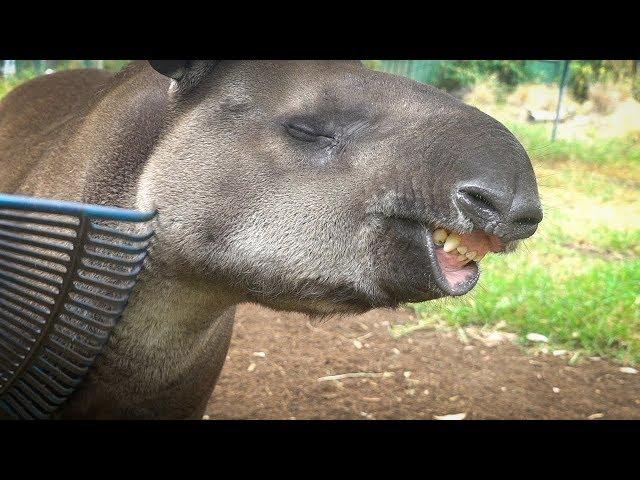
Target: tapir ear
(187,74)
(175,69)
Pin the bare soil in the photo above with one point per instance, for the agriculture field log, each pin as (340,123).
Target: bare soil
(277,362)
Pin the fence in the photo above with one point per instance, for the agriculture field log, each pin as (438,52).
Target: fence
(426,71)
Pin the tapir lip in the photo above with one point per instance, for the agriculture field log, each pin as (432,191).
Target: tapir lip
(446,288)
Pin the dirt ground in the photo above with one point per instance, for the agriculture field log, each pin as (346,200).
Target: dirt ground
(277,362)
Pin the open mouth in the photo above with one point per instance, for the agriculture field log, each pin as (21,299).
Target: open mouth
(457,257)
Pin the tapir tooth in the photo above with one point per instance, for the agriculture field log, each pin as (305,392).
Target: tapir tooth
(439,236)
(453,240)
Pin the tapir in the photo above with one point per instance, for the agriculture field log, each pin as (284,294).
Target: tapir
(319,187)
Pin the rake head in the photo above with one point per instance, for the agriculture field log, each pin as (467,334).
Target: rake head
(66,272)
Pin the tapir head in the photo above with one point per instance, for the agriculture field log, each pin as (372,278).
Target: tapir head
(325,187)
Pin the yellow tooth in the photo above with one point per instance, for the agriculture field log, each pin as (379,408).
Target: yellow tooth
(453,240)
(478,258)
(439,236)
(471,255)
(462,258)
(461,249)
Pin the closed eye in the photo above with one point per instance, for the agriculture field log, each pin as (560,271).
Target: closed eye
(305,133)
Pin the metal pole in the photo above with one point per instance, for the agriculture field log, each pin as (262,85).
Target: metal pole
(563,84)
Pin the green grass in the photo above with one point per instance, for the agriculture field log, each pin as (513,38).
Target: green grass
(621,154)
(577,280)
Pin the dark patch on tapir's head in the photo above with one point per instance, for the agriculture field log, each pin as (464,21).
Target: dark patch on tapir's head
(316,186)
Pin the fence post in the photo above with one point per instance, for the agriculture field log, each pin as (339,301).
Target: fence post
(563,84)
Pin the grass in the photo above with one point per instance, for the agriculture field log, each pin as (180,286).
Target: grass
(577,281)
(618,155)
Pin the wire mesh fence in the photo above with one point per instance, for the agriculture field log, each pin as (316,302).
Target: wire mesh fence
(430,71)
(426,71)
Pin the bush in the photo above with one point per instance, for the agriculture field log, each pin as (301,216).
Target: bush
(455,75)
(582,74)
(635,88)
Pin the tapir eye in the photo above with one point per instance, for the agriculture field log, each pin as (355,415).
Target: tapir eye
(305,132)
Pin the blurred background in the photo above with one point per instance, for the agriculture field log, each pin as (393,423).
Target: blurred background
(571,293)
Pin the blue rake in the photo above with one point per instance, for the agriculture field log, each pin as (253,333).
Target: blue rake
(66,272)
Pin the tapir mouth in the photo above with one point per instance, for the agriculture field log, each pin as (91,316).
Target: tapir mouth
(455,258)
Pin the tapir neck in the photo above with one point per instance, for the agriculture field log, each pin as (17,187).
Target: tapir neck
(164,357)
(135,105)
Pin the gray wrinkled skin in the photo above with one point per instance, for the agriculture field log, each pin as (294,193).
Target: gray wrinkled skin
(251,208)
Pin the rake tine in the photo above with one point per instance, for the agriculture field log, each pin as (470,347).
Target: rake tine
(80,359)
(116,248)
(36,309)
(108,321)
(57,247)
(70,366)
(50,396)
(114,273)
(6,279)
(39,232)
(125,236)
(32,264)
(18,217)
(97,296)
(109,286)
(19,398)
(16,408)
(29,252)
(34,395)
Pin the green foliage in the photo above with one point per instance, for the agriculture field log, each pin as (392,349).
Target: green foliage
(582,75)
(455,75)
(635,88)
(508,72)
(585,73)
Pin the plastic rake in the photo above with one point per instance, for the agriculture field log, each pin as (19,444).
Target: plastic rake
(66,272)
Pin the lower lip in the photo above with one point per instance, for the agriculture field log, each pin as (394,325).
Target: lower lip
(454,288)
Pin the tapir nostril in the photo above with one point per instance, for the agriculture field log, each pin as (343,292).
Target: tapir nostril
(478,199)
(527,215)
(518,216)
(528,220)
